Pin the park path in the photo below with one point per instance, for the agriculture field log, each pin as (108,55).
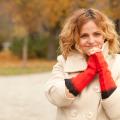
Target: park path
(22,98)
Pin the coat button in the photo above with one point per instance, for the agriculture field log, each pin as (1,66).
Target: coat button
(97,89)
(89,115)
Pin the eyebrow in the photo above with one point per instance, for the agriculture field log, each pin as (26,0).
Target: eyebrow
(95,32)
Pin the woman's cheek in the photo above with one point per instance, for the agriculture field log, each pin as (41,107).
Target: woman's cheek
(86,50)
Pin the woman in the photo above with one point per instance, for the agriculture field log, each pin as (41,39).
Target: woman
(85,82)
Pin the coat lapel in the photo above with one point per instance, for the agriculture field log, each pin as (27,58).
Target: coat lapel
(75,62)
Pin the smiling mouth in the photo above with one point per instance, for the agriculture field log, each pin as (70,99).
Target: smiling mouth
(89,46)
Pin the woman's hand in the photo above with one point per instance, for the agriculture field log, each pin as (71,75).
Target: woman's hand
(76,84)
(93,50)
(107,84)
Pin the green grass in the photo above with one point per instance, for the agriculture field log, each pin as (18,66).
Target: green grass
(12,65)
(19,71)
(33,66)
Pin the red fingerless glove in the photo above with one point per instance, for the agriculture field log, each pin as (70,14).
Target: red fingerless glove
(107,83)
(78,83)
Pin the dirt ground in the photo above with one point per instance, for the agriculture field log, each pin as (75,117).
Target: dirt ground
(22,98)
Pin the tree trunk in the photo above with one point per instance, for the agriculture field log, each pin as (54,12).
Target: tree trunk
(117,25)
(52,48)
(25,52)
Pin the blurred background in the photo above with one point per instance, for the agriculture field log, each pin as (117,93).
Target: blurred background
(29,42)
(29,31)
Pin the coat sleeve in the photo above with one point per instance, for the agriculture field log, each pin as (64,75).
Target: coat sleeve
(55,86)
(112,103)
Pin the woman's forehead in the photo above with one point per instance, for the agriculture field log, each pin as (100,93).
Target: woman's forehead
(90,26)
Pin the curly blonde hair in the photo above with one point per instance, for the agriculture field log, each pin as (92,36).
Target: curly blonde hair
(70,34)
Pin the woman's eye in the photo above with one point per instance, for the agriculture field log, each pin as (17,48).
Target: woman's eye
(84,36)
(97,34)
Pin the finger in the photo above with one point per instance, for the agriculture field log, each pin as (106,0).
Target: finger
(94,50)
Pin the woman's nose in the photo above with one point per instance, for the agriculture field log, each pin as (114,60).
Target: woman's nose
(91,40)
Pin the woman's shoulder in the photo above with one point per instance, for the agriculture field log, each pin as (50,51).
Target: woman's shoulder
(117,56)
(60,58)
(71,55)
(117,59)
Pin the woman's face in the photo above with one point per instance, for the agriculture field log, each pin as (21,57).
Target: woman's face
(91,36)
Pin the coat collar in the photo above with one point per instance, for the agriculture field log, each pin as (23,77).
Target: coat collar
(76,62)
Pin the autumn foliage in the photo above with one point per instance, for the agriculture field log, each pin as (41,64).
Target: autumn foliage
(28,18)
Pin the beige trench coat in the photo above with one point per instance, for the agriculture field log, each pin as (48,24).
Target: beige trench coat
(88,105)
